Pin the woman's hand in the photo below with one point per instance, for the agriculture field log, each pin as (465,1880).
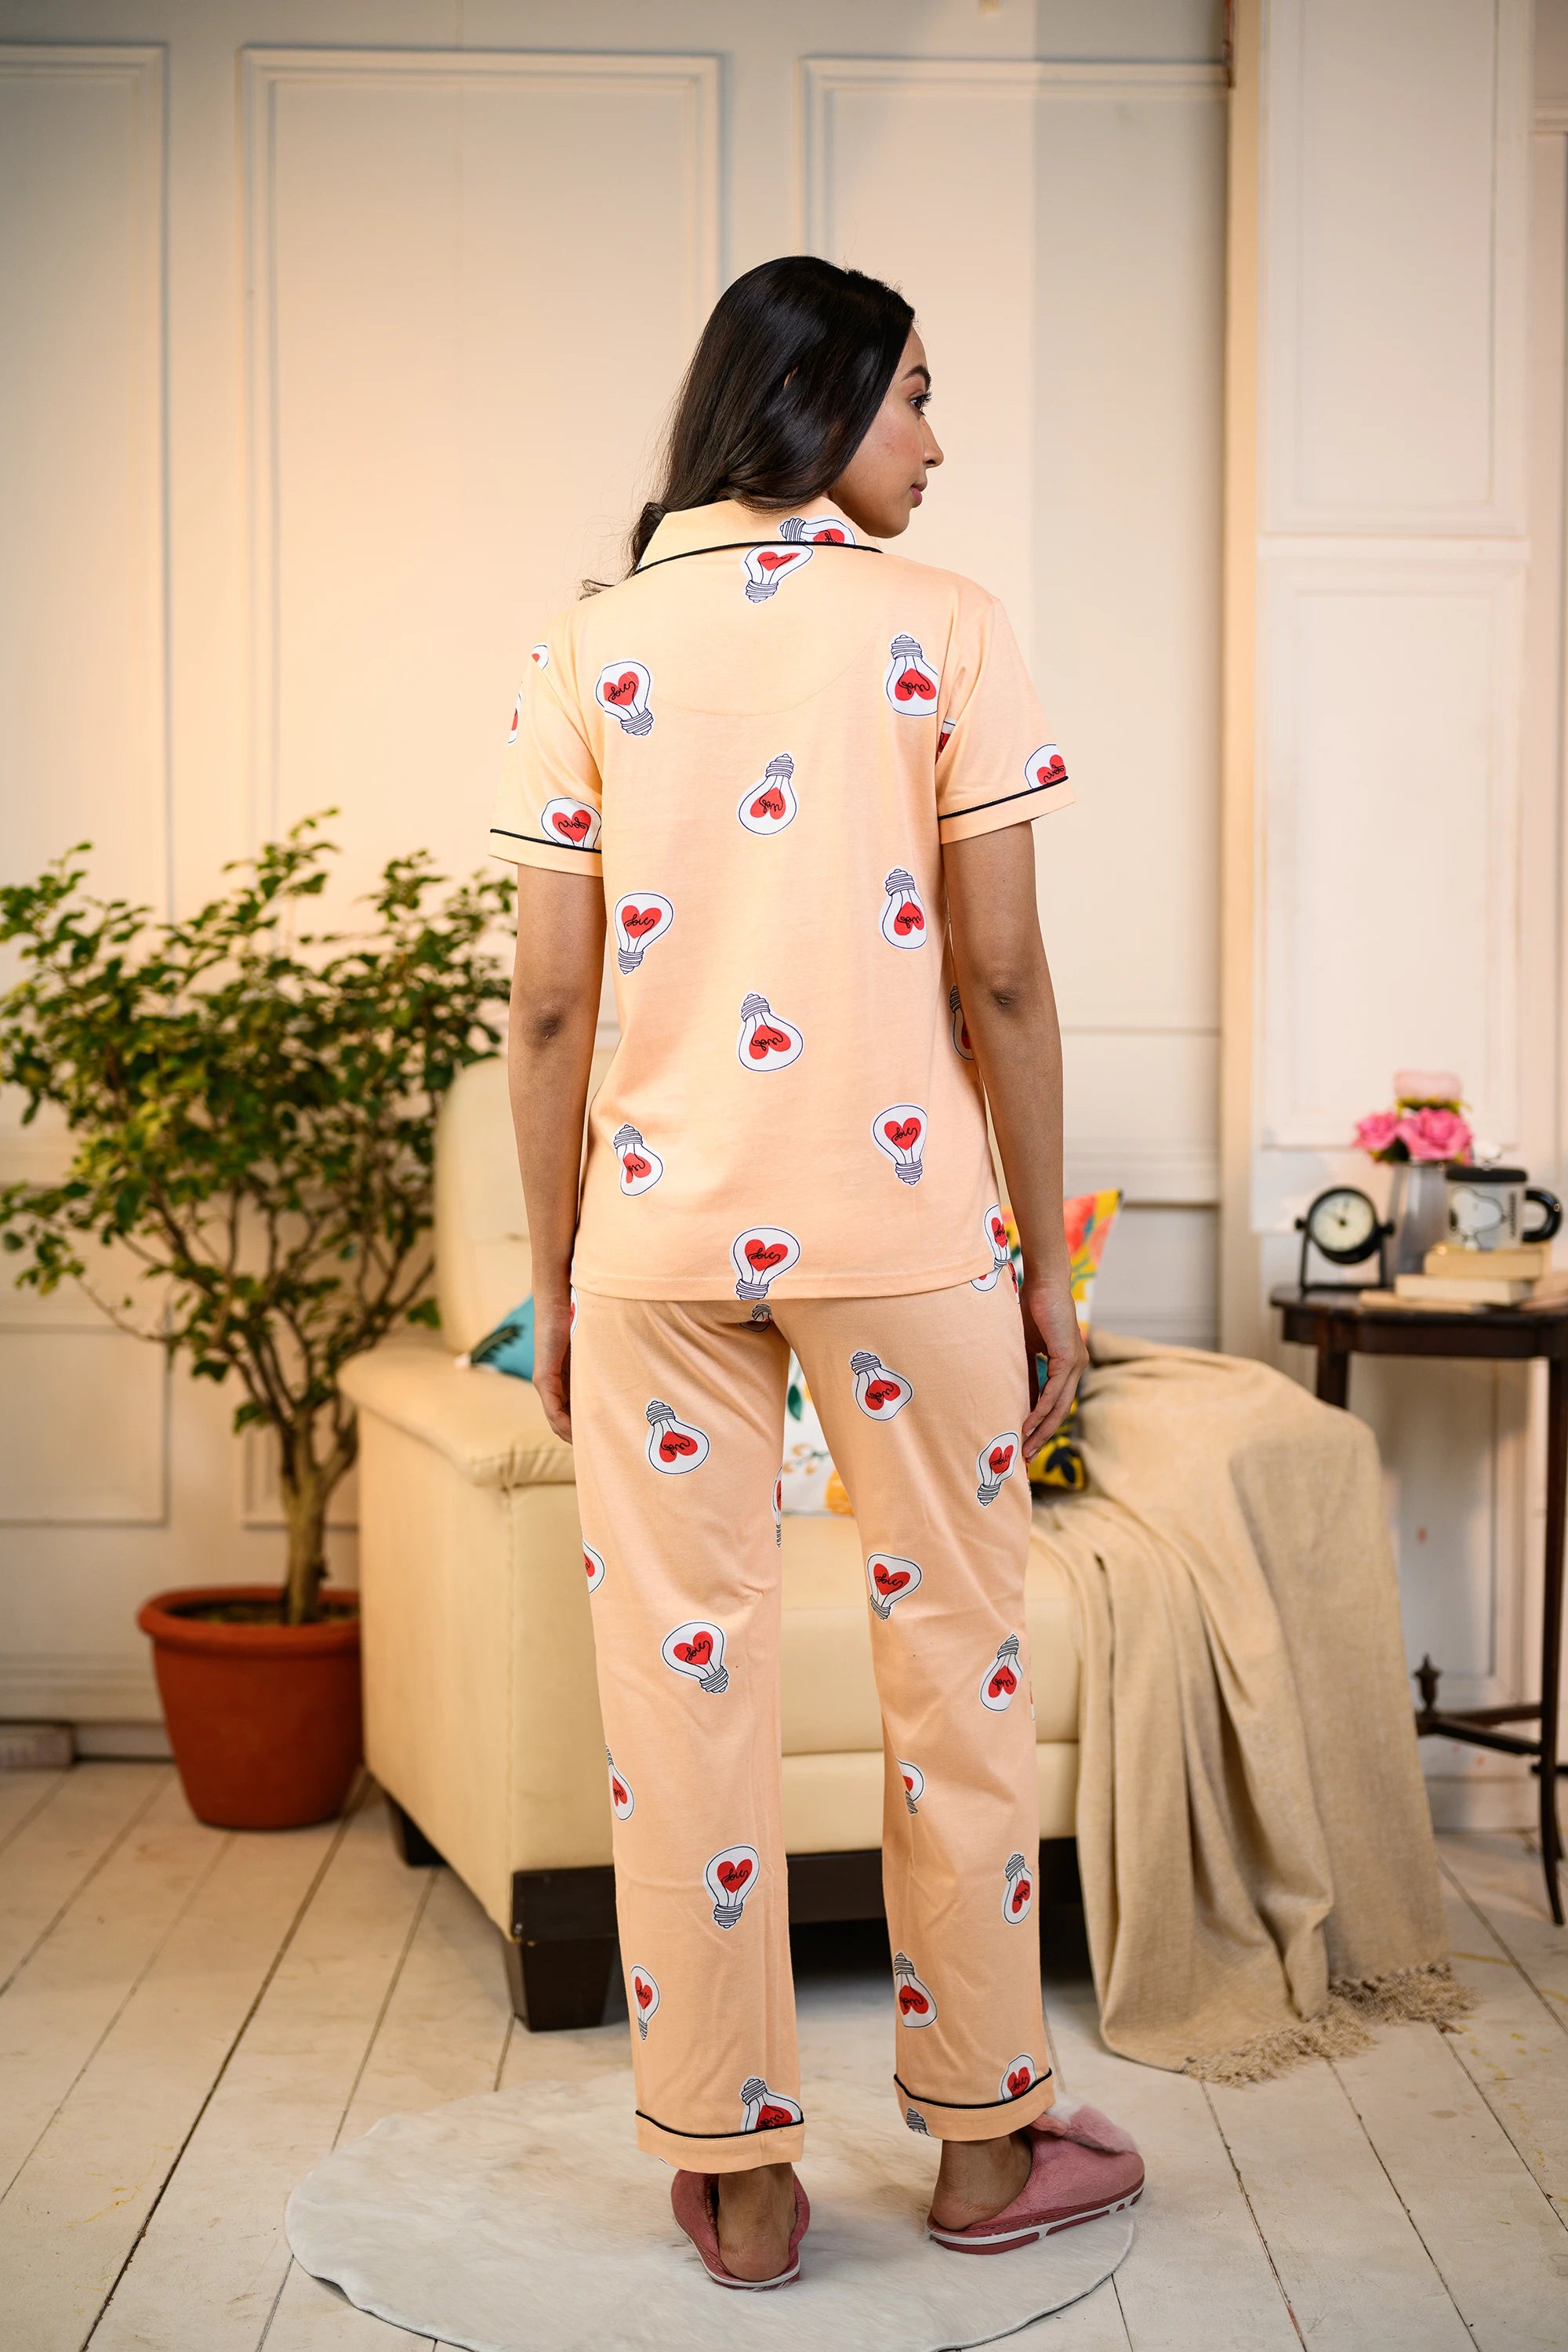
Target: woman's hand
(1049,1313)
(552,1356)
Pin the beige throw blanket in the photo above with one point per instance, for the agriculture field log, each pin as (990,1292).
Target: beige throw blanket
(1253,1834)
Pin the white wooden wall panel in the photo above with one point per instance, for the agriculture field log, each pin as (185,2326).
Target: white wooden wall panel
(456,261)
(1397,231)
(1391,836)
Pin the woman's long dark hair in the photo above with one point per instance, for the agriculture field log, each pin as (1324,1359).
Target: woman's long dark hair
(792,367)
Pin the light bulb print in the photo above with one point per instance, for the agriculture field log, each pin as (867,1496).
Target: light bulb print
(1000,1680)
(879,1392)
(766,567)
(1018,1891)
(730,1878)
(910,683)
(995,1232)
(623,689)
(539,655)
(914,1781)
(900,1132)
(944,735)
(1044,767)
(761,1254)
(644,1987)
(768,805)
(767,1040)
(903,921)
(778,1510)
(961,1037)
(1017,2077)
(641,917)
(674,1446)
(767,2110)
(516,726)
(573,823)
(640,1167)
(890,1578)
(594,1562)
(995,1462)
(697,1648)
(916,2001)
(821,530)
(572,1309)
(623,1804)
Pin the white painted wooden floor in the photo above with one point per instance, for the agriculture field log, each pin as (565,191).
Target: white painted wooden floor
(189,2018)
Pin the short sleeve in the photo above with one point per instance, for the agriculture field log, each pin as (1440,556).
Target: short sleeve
(996,762)
(549,802)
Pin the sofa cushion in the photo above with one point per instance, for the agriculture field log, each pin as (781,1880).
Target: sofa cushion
(829,1687)
(492,1429)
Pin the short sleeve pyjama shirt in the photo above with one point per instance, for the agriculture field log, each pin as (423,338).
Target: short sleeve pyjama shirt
(760,743)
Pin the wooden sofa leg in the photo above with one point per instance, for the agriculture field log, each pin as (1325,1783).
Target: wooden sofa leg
(553,1986)
(413,1845)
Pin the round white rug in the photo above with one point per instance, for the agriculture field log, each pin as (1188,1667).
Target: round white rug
(526,2220)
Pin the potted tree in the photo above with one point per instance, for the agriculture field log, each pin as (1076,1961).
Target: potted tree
(252,1111)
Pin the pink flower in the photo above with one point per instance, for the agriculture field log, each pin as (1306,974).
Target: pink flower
(1377,1131)
(1432,1134)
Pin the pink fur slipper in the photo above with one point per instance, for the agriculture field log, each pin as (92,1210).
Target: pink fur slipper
(694,2200)
(1083,2166)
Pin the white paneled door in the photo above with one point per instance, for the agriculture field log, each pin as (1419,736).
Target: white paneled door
(336,356)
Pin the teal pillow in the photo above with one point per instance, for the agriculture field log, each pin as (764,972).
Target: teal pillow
(510,1347)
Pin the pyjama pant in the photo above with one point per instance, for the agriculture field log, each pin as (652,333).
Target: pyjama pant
(677,1423)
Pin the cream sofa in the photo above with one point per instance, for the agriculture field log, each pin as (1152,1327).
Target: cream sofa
(482,1713)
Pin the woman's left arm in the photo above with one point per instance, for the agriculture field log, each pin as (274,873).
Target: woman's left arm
(556,984)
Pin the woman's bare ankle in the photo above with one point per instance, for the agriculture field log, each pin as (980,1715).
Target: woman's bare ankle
(756,2219)
(978,2178)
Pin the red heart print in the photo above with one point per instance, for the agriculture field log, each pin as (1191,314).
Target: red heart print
(770,561)
(904,1136)
(999,1233)
(1018,2082)
(643,1991)
(636,920)
(732,1875)
(587,1565)
(1000,1458)
(906,1780)
(635,1165)
(697,1652)
(878,1393)
(964,1034)
(829,538)
(912,682)
(909,919)
(765,1041)
(909,1999)
(769,803)
(1053,771)
(618,1790)
(888,1581)
(671,1443)
(769,2116)
(623,688)
(1021,1893)
(1003,1679)
(573,826)
(760,1255)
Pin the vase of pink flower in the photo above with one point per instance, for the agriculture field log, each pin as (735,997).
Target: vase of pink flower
(1422,1136)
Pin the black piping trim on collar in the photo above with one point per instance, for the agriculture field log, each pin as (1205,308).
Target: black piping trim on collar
(951,816)
(675,2130)
(732,546)
(969,2107)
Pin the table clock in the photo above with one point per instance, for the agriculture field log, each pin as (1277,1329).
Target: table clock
(1342,1225)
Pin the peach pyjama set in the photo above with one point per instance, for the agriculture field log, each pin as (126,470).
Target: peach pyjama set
(757,746)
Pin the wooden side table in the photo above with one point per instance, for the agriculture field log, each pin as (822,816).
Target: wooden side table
(1338,1326)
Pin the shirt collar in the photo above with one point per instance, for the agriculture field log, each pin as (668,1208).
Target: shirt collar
(727,523)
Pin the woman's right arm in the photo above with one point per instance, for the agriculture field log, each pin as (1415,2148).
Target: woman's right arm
(556,984)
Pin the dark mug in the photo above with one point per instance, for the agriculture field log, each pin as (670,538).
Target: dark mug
(1487,1205)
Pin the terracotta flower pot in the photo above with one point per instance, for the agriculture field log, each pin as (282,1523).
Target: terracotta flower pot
(264,1720)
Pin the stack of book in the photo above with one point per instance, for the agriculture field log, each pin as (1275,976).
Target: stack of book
(1466,1281)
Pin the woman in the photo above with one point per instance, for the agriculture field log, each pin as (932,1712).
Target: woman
(797,774)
